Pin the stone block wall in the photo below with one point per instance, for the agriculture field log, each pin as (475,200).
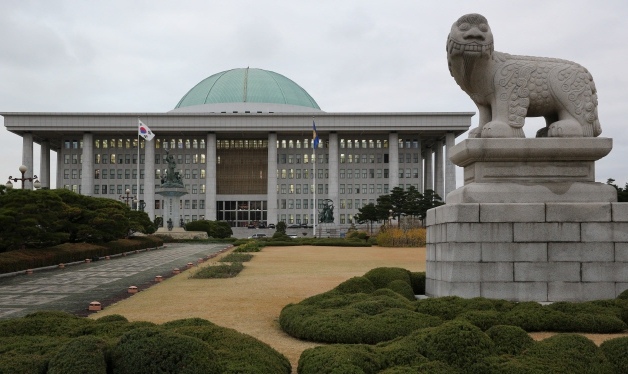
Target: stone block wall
(528,251)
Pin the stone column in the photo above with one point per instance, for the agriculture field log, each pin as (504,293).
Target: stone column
(439,175)
(420,167)
(27,160)
(393,160)
(429,181)
(59,168)
(149,178)
(272,178)
(44,164)
(87,179)
(450,168)
(210,178)
(333,175)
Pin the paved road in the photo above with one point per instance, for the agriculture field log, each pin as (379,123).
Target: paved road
(73,288)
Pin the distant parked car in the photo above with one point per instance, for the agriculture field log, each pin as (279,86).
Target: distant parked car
(271,225)
(257,236)
(262,225)
(294,226)
(293,236)
(251,226)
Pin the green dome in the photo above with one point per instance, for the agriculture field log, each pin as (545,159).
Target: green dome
(247,86)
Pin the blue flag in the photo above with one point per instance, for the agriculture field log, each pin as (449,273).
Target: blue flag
(315,139)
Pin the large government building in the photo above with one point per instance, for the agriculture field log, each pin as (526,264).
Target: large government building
(242,141)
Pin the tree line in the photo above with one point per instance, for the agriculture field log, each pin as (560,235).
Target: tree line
(399,203)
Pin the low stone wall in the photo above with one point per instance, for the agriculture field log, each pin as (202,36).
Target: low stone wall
(528,251)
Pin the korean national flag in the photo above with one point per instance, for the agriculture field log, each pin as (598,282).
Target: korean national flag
(144,131)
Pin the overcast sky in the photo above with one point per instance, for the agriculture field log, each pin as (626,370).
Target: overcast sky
(351,56)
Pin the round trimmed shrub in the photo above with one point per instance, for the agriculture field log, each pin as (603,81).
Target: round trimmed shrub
(339,358)
(457,343)
(356,285)
(402,288)
(484,319)
(616,351)
(152,350)
(446,308)
(381,277)
(509,340)
(562,353)
(236,352)
(85,354)
(532,316)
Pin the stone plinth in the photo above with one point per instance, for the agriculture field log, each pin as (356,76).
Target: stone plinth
(531,170)
(515,232)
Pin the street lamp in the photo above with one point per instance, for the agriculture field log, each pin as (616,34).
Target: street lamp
(390,217)
(23,170)
(127,198)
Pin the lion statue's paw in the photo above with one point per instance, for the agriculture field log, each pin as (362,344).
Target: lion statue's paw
(496,129)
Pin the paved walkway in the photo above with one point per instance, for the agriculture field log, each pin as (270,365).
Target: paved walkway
(73,288)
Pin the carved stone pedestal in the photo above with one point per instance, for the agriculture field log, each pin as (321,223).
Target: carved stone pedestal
(530,224)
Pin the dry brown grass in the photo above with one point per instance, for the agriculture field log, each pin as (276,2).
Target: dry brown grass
(251,302)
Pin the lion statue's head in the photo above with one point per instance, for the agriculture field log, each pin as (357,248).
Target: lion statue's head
(470,36)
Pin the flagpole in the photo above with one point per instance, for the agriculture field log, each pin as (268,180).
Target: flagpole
(137,206)
(314,176)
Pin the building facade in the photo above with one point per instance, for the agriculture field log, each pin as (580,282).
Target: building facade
(242,140)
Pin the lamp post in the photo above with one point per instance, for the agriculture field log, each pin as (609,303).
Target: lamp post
(23,170)
(390,217)
(127,197)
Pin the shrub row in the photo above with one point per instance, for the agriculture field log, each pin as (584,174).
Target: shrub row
(459,347)
(359,309)
(55,342)
(237,257)
(396,237)
(23,259)
(219,271)
(250,246)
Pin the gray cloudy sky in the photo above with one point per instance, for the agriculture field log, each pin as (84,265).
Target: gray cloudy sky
(350,55)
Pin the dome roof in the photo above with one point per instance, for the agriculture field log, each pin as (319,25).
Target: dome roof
(247,85)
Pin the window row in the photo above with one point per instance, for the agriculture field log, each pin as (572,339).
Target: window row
(184,173)
(242,144)
(112,158)
(117,173)
(364,143)
(180,143)
(128,143)
(181,159)
(302,158)
(298,144)
(119,189)
(184,204)
(363,189)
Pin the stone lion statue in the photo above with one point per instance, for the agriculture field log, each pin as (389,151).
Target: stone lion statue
(508,88)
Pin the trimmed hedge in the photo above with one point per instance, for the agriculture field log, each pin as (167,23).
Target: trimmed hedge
(219,271)
(237,257)
(57,342)
(23,259)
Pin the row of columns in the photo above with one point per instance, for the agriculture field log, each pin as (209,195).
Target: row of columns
(439,174)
